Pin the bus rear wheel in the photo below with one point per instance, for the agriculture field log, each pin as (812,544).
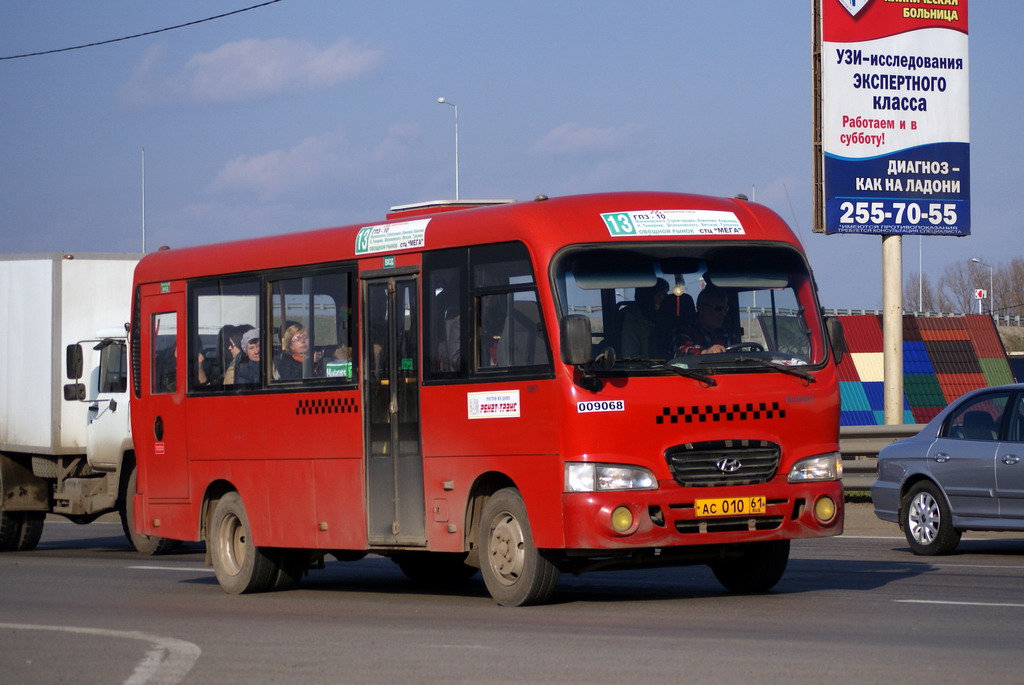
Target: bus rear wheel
(239,565)
(758,568)
(515,572)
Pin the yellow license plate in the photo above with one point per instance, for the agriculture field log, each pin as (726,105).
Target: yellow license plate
(729,506)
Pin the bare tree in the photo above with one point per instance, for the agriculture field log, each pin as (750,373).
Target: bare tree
(919,287)
(1009,288)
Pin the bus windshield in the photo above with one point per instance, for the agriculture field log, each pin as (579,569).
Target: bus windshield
(714,306)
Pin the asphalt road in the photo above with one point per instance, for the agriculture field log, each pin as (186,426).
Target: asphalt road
(82,609)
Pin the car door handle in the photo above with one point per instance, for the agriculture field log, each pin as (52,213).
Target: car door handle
(941,457)
(1010,459)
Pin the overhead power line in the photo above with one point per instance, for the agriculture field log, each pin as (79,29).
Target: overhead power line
(140,35)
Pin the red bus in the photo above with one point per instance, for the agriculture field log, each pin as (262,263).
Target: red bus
(568,384)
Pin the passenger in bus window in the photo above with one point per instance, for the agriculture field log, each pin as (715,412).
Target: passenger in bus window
(200,371)
(709,334)
(295,353)
(642,336)
(247,369)
(233,349)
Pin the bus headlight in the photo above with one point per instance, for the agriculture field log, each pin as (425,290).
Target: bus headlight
(588,477)
(821,467)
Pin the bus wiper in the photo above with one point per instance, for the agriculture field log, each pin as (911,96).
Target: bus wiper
(659,365)
(704,378)
(781,368)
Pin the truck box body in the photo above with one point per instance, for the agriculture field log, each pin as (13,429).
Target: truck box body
(49,301)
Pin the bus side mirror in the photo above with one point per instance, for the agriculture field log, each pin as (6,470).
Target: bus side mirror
(74,362)
(576,339)
(836,337)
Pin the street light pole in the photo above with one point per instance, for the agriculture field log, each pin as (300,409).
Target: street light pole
(991,295)
(445,102)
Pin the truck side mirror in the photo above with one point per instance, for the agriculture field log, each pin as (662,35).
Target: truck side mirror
(74,392)
(836,337)
(74,362)
(576,339)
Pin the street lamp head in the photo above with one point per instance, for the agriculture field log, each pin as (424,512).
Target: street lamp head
(442,100)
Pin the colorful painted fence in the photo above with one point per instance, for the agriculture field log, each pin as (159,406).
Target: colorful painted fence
(942,359)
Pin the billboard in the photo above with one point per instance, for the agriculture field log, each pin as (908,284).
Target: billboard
(892,147)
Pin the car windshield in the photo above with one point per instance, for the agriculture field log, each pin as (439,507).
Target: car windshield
(713,307)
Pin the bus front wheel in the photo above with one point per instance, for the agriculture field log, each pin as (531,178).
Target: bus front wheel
(240,566)
(758,568)
(515,572)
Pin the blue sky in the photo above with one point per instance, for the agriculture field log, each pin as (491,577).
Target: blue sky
(312,113)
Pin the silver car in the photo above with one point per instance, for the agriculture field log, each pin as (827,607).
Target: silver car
(963,471)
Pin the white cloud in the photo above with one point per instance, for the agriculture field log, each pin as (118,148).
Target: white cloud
(571,138)
(318,164)
(251,69)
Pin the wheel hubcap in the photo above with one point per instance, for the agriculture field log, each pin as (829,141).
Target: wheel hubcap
(232,544)
(507,549)
(924,518)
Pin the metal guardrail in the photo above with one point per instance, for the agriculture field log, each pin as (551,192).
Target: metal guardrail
(860,445)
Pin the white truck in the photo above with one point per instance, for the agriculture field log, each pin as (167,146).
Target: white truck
(65,448)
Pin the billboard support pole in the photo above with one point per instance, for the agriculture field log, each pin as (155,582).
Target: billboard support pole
(892,327)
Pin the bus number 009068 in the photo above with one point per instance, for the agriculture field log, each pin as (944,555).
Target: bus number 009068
(603,405)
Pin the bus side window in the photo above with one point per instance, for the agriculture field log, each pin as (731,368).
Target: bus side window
(444,312)
(163,362)
(311,317)
(509,329)
(220,311)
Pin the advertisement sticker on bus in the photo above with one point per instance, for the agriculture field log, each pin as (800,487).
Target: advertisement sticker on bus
(498,404)
(404,235)
(672,222)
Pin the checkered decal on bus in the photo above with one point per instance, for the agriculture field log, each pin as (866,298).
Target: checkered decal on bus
(333,405)
(711,413)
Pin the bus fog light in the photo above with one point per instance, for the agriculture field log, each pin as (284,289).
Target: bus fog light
(825,509)
(622,519)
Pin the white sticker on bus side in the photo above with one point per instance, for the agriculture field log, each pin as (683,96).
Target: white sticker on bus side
(602,405)
(404,235)
(672,222)
(496,404)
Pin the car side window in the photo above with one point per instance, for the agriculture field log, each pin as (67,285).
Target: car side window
(978,418)
(1016,432)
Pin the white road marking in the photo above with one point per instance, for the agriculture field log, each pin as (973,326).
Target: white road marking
(189,569)
(962,604)
(166,663)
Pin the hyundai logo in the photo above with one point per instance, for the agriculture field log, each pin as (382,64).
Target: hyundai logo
(728,465)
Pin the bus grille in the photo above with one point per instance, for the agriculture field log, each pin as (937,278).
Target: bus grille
(723,462)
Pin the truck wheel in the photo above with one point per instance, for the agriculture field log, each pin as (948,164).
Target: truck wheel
(515,571)
(758,568)
(147,545)
(20,530)
(240,566)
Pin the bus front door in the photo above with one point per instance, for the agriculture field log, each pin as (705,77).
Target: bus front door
(394,459)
